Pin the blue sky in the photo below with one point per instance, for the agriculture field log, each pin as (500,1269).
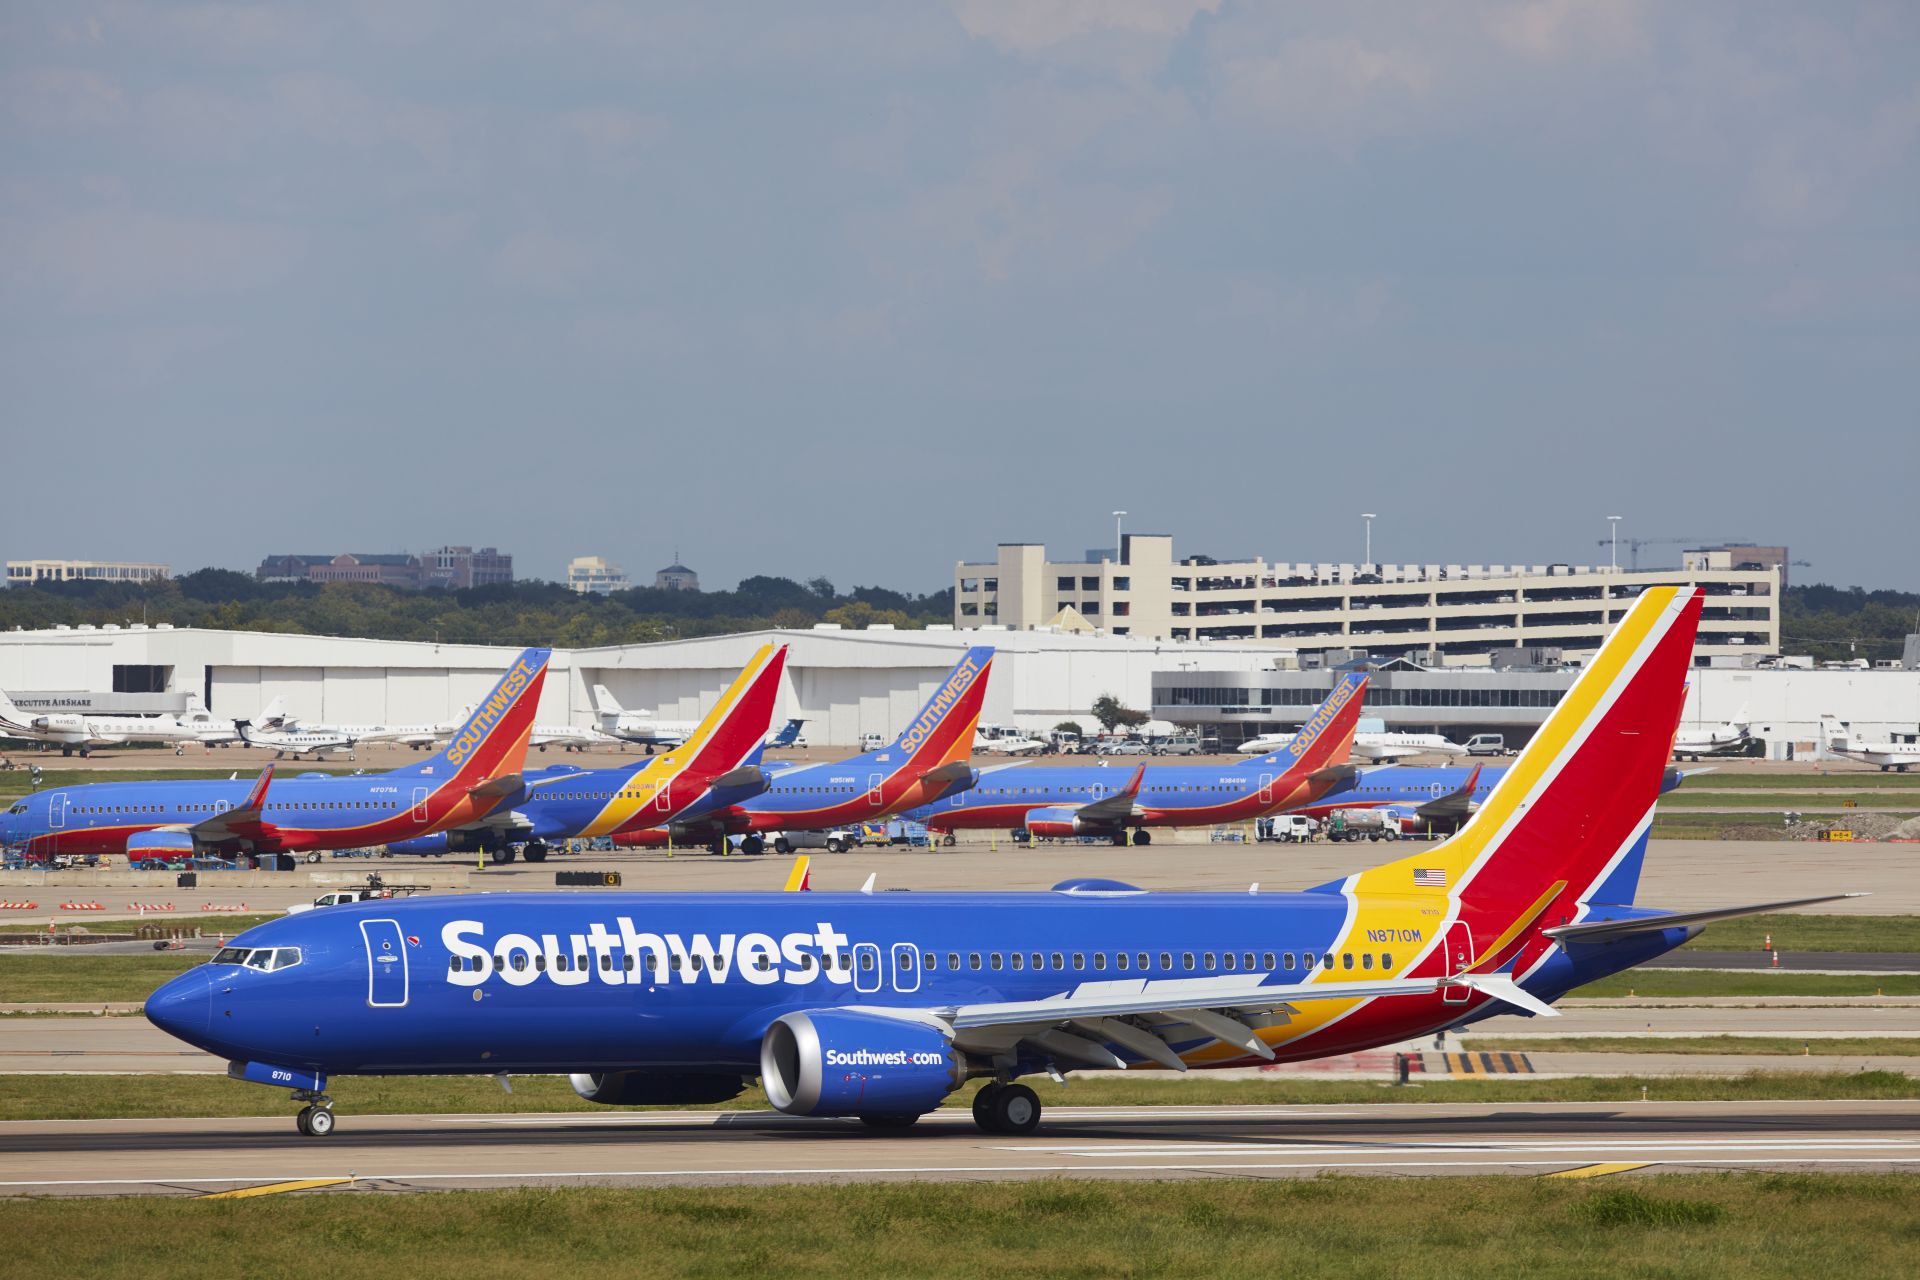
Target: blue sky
(862,289)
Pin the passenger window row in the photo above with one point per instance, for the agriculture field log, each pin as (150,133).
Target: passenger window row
(1017,961)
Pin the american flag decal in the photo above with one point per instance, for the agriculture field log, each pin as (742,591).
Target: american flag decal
(1429,878)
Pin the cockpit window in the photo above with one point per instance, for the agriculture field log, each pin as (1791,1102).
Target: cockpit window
(19,808)
(266,959)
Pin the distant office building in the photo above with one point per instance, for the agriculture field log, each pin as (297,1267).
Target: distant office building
(459,567)
(24,573)
(451,567)
(676,577)
(596,576)
(1436,613)
(389,570)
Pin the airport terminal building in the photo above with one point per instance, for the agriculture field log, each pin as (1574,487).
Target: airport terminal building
(848,683)
(1444,613)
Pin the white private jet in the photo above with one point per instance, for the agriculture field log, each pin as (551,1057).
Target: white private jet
(1727,739)
(568,738)
(1373,747)
(631,726)
(417,736)
(294,743)
(1897,755)
(72,731)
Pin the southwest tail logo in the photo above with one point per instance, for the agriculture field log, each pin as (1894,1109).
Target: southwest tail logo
(943,731)
(493,741)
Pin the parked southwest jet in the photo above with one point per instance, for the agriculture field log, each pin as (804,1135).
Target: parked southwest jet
(927,762)
(716,768)
(142,819)
(1095,802)
(879,1006)
(1423,801)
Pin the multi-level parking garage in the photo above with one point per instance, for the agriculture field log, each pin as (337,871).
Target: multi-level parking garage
(1446,613)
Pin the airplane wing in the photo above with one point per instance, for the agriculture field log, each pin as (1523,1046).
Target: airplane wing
(1609,930)
(496,788)
(238,823)
(1455,804)
(1149,1017)
(957,771)
(1117,807)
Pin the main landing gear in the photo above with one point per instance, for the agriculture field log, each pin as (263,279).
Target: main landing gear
(316,1118)
(1009,1109)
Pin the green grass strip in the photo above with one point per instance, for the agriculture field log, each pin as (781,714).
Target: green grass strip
(84,979)
(100,1097)
(1852,1046)
(1795,932)
(1760,982)
(1755,1226)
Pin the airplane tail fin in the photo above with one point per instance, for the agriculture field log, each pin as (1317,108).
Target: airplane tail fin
(788,735)
(1833,734)
(1569,819)
(492,743)
(1327,736)
(1741,718)
(943,731)
(273,713)
(733,733)
(12,717)
(605,703)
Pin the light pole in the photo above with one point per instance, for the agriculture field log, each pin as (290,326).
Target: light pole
(1117,543)
(1615,522)
(1368,517)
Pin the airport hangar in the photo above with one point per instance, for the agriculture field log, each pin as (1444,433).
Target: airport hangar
(847,683)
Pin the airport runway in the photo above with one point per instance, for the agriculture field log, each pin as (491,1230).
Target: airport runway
(119,1045)
(396,1153)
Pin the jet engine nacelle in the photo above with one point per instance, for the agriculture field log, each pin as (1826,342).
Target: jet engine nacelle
(655,1088)
(449,842)
(832,1062)
(1064,820)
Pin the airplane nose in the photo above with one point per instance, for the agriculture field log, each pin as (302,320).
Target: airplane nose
(183,1007)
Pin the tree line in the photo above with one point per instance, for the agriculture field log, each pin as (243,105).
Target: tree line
(1830,623)
(518,613)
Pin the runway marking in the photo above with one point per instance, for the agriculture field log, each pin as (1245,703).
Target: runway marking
(272,1189)
(842,1172)
(1575,1149)
(1598,1170)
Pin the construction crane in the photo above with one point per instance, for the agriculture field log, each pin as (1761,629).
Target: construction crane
(1633,545)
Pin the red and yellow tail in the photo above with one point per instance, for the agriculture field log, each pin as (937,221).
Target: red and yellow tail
(1581,789)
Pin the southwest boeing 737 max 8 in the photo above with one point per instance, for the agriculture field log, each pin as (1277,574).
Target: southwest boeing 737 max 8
(297,815)
(879,1006)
